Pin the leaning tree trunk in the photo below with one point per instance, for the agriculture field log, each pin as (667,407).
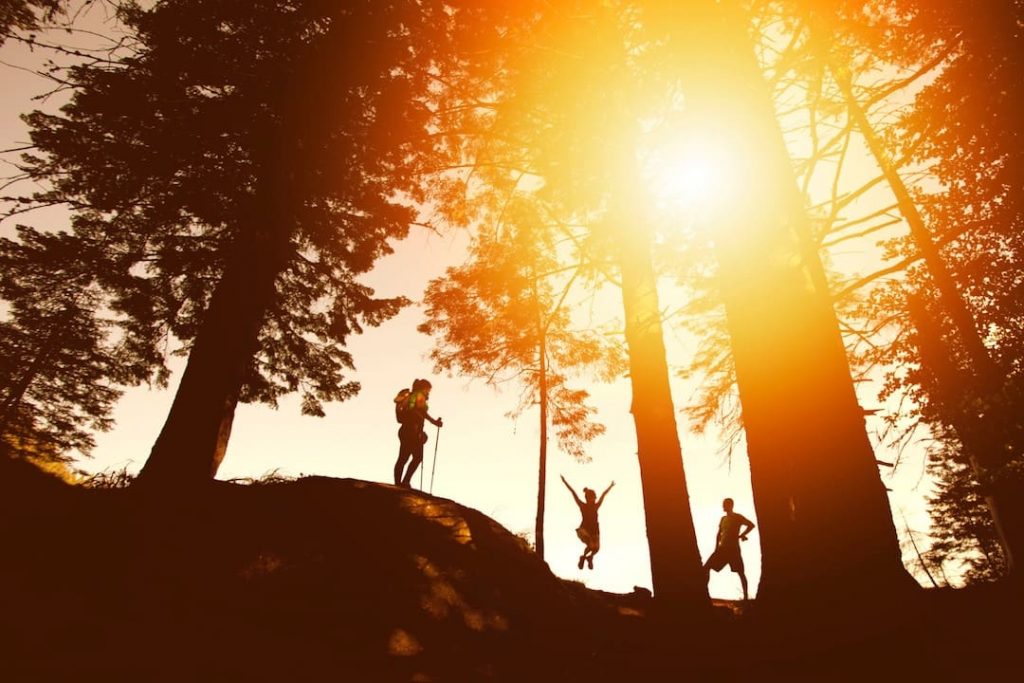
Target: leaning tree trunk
(194,438)
(949,294)
(192,443)
(988,436)
(823,514)
(676,573)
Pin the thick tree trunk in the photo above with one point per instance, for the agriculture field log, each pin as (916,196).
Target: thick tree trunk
(988,438)
(194,438)
(676,570)
(192,443)
(823,514)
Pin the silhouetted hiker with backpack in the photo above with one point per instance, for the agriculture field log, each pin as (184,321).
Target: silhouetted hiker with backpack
(727,544)
(589,531)
(411,411)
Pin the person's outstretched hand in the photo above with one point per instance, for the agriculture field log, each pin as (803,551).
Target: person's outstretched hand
(440,422)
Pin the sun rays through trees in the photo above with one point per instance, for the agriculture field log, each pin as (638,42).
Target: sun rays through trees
(823,197)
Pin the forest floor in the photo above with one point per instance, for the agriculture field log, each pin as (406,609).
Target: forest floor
(342,579)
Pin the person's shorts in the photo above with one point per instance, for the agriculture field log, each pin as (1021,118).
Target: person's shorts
(591,539)
(726,556)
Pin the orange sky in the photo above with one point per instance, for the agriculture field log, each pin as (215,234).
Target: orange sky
(485,460)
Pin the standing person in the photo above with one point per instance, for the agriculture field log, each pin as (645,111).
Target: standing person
(727,544)
(589,531)
(411,411)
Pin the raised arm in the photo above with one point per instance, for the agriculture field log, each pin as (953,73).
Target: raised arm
(601,499)
(575,497)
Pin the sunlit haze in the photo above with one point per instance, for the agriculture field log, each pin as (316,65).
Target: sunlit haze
(484,459)
(691,173)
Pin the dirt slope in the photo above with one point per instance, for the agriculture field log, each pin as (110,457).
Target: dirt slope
(330,579)
(296,577)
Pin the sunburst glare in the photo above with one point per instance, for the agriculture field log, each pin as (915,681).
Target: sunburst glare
(690,175)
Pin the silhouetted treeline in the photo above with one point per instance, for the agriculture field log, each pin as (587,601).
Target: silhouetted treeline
(234,172)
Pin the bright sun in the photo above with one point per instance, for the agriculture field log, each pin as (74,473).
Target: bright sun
(690,175)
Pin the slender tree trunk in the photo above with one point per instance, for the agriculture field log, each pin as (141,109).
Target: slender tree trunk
(15,393)
(917,551)
(542,388)
(676,570)
(825,521)
(1000,493)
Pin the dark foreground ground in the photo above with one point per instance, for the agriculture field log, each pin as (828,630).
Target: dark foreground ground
(329,579)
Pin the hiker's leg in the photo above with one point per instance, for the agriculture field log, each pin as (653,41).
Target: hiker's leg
(417,458)
(405,451)
(743,582)
(403,457)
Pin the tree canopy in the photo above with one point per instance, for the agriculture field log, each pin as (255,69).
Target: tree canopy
(235,173)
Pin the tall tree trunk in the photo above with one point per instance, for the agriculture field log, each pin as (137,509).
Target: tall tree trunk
(192,443)
(988,452)
(676,570)
(543,391)
(824,516)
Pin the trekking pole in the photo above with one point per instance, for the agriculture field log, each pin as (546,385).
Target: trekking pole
(421,473)
(433,466)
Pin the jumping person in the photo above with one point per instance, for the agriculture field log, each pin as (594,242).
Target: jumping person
(411,411)
(727,544)
(589,531)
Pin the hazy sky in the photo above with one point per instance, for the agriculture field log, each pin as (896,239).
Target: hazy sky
(485,460)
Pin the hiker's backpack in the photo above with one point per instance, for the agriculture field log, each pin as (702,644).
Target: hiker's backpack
(402,409)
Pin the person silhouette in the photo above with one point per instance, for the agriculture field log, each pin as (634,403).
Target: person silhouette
(411,436)
(727,544)
(589,530)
